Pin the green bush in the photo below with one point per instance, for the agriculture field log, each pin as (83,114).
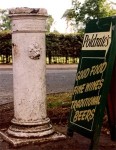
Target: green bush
(63,45)
(5,45)
(57,45)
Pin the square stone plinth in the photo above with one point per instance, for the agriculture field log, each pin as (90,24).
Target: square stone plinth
(17,142)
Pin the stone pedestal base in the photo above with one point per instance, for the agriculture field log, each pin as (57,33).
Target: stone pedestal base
(30,130)
(17,142)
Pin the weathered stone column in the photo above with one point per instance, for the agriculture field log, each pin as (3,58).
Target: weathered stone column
(29,68)
(28,42)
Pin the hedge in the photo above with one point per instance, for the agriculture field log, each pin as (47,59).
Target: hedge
(57,45)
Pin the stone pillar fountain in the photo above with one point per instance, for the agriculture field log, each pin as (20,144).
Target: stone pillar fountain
(30,122)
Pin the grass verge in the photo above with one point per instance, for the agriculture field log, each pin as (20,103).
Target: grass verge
(59,99)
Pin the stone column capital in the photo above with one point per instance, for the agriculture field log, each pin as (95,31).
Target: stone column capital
(28,20)
(27,11)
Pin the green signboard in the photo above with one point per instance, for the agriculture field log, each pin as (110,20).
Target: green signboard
(93,77)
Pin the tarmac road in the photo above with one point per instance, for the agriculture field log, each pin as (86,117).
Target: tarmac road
(59,78)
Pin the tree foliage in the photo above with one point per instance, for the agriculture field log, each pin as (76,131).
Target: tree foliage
(4,20)
(50,21)
(90,9)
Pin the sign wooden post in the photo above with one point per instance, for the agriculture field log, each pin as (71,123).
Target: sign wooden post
(93,79)
(112,105)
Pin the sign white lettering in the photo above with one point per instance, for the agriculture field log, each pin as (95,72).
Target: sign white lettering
(97,41)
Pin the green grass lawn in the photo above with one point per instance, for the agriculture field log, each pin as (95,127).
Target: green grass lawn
(59,99)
